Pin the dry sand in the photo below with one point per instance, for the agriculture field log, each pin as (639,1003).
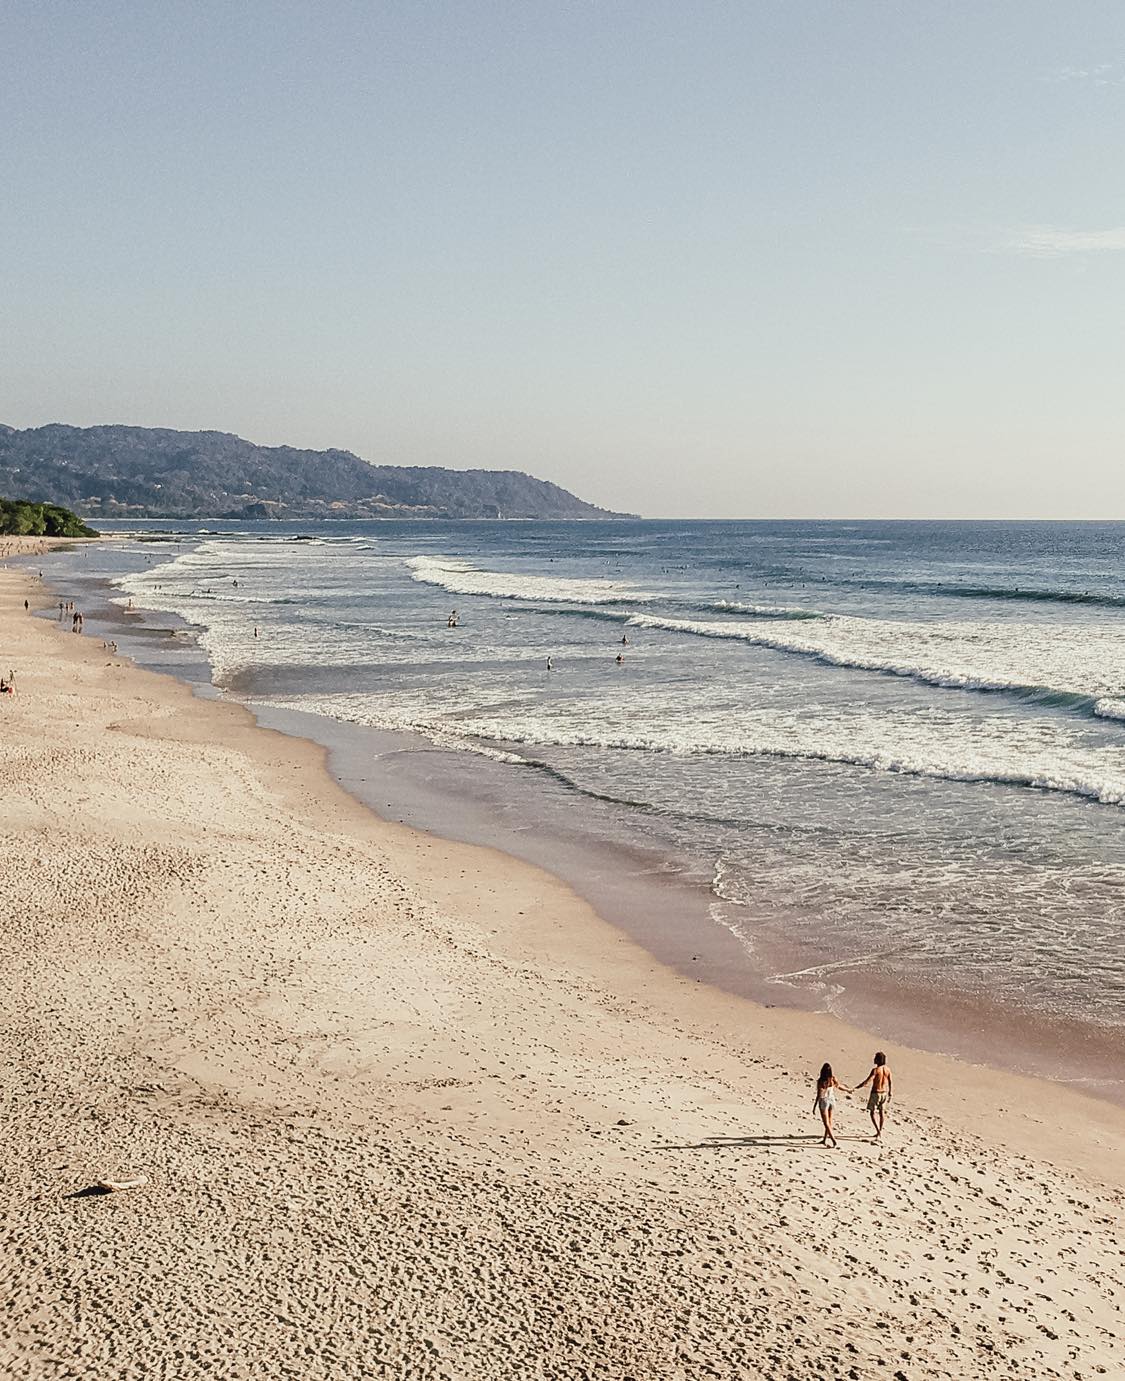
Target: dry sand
(408,1108)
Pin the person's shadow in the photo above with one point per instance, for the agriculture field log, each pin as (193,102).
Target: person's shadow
(782,1141)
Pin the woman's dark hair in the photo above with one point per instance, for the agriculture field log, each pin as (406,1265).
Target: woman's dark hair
(825,1074)
(880,1058)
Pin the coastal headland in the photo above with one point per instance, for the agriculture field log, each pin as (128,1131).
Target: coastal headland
(407,1108)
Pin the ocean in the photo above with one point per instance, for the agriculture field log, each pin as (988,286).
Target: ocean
(889,756)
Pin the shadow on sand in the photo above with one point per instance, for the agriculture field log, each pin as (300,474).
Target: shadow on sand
(787,1141)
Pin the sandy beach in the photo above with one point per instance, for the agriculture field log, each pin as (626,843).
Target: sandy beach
(410,1109)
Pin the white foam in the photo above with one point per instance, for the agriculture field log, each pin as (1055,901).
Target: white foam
(766,611)
(1046,754)
(1087,662)
(461,578)
(1044,751)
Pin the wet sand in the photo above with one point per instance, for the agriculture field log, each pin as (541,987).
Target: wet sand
(411,1108)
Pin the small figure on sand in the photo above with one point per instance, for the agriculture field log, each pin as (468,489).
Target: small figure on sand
(255,630)
(878,1100)
(625,639)
(451,621)
(619,659)
(825,1103)
(550,664)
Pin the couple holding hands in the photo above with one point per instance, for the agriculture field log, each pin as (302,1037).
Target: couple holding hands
(877,1099)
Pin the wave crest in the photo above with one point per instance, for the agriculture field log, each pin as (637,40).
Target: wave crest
(868,645)
(462,578)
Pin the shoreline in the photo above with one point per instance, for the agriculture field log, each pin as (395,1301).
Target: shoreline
(614,932)
(278,1003)
(467,798)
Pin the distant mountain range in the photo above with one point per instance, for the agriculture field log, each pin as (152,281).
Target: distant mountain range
(151,472)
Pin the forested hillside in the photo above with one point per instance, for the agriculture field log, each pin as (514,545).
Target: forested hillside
(155,472)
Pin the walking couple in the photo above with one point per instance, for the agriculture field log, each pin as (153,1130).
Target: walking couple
(877,1100)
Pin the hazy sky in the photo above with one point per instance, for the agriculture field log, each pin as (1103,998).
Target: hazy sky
(806,257)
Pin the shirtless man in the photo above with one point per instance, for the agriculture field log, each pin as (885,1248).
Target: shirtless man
(880,1095)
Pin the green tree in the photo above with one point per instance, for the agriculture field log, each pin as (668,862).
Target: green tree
(20,518)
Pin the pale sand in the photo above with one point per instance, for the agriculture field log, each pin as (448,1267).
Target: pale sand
(410,1109)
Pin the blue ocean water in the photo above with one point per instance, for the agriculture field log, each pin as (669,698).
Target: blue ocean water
(893,749)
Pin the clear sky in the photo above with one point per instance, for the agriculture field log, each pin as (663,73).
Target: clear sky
(797,258)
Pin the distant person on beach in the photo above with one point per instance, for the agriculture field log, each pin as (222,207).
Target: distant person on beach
(878,1100)
(619,658)
(825,1104)
(549,665)
(624,639)
(255,630)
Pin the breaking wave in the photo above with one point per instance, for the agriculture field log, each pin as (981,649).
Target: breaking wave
(761,611)
(1088,702)
(462,578)
(1107,790)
